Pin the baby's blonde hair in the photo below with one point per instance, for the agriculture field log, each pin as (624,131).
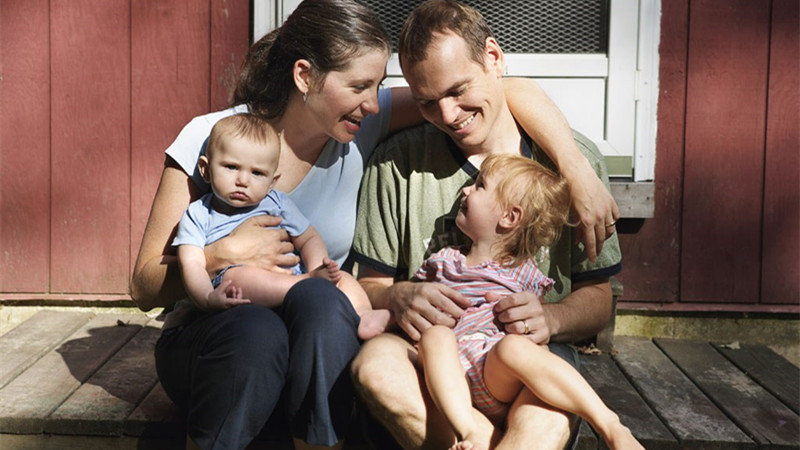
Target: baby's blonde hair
(245,125)
(542,195)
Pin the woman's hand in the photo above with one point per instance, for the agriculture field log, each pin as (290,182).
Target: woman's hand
(522,313)
(254,244)
(596,209)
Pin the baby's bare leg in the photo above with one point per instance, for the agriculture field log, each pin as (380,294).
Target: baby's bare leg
(448,387)
(373,322)
(555,382)
(262,287)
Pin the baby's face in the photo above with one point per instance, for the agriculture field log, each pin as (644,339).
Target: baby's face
(241,171)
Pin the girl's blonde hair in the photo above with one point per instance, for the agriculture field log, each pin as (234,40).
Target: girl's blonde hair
(541,194)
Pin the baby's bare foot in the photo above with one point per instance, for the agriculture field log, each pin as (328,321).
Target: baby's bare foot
(373,323)
(328,270)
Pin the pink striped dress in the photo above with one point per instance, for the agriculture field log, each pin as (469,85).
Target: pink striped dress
(477,329)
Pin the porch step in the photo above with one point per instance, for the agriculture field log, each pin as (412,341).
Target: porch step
(85,380)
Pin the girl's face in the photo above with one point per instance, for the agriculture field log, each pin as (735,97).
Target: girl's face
(344,98)
(480,210)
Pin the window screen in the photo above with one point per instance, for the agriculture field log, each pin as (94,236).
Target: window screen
(524,26)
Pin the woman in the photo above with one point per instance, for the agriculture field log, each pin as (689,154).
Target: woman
(317,79)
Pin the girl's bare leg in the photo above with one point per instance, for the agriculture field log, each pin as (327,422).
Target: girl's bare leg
(515,361)
(448,387)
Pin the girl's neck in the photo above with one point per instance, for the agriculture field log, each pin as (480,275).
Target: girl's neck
(480,252)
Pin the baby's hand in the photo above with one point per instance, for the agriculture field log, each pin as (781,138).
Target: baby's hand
(225,296)
(328,270)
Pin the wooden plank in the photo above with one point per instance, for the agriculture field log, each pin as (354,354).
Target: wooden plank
(586,439)
(780,261)
(724,161)
(635,200)
(652,254)
(90,200)
(770,370)
(683,408)
(230,39)
(25,148)
(763,417)
(611,385)
(156,416)
(30,340)
(28,400)
(101,405)
(169,85)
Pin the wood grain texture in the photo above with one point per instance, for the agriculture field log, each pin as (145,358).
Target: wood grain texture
(27,401)
(780,266)
(651,256)
(724,161)
(170,60)
(24,146)
(765,419)
(692,418)
(90,122)
(29,341)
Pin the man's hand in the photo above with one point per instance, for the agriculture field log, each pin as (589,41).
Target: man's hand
(253,244)
(418,306)
(596,209)
(522,313)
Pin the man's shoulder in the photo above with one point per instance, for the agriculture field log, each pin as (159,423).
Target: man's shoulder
(407,144)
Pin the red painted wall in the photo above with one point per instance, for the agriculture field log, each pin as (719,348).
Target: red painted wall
(93,91)
(727,229)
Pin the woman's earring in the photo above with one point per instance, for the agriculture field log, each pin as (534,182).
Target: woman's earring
(305,96)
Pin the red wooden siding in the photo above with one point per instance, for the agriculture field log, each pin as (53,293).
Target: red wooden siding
(92,92)
(780,276)
(726,98)
(24,146)
(726,232)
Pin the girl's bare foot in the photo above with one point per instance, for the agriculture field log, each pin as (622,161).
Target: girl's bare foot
(621,438)
(373,323)
(328,270)
(463,445)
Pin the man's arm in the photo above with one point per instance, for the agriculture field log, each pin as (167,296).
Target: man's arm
(548,127)
(416,306)
(581,314)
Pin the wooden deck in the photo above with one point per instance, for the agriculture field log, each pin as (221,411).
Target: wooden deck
(84,380)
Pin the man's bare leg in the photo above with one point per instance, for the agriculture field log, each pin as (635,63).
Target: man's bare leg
(532,424)
(386,378)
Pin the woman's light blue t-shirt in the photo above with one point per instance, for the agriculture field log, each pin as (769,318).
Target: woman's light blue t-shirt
(328,194)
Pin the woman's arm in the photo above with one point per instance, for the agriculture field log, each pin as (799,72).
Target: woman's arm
(548,127)
(156,279)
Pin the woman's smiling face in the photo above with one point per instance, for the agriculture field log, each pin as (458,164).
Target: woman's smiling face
(344,98)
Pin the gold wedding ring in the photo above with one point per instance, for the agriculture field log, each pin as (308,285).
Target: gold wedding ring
(527,330)
(612,224)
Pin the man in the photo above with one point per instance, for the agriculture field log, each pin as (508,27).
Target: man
(409,200)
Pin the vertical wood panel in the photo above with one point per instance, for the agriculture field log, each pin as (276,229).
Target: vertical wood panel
(230,37)
(781,239)
(725,130)
(170,78)
(24,146)
(90,48)
(651,256)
